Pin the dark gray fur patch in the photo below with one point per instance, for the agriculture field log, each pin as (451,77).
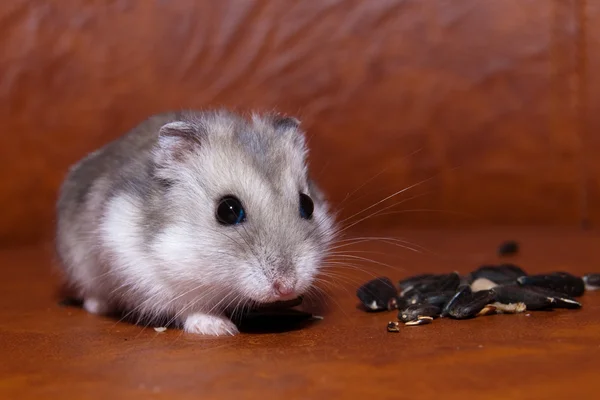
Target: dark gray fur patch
(266,152)
(81,192)
(78,183)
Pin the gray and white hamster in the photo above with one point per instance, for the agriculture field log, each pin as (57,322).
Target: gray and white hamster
(192,214)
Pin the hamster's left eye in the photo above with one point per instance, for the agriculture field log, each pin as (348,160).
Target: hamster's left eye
(230,211)
(307,206)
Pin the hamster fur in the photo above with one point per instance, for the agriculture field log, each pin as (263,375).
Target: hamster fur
(138,227)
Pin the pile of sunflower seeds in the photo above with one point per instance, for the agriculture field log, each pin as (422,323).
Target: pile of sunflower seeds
(490,289)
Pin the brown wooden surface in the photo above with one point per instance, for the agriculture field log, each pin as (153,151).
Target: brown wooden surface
(51,352)
(495,101)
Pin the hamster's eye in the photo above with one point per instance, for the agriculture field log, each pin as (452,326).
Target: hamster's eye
(306,206)
(230,211)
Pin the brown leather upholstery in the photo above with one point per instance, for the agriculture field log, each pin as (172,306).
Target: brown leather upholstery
(496,102)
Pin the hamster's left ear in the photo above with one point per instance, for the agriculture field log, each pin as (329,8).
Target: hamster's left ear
(175,140)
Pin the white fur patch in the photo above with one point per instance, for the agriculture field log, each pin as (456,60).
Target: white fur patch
(122,236)
(204,324)
(120,230)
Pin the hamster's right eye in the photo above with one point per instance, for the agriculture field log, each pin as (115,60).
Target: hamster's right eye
(307,207)
(230,211)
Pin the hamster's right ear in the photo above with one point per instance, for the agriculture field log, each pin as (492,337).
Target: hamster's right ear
(175,141)
(286,122)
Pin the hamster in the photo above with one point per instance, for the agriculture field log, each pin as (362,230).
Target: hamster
(193,214)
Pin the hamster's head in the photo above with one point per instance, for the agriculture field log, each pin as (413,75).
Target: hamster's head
(242,215)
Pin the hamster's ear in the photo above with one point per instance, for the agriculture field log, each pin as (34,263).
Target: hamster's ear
(285,122)
(281,123)
(175,140)
(290,127)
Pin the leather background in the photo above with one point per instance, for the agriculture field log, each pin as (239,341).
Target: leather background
(495,102)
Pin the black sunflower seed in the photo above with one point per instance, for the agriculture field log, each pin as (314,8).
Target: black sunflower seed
(507,248)
(378,294)
(412,313)
(561,282)
(513,293)
(428,283)
(592,281)
(408,283)
(402,302)
(462,291)
(467,304)
(500,274)
(451,282)
(558,300)
(415,297)
(534,297)
(438,299)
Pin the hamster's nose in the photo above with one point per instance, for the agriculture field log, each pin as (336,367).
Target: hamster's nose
(283,289)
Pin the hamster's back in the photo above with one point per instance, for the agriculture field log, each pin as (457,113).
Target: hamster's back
(89,182)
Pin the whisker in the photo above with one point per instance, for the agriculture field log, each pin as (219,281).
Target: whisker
(465,214)
(345,279)
(364,184)
(357,252)
(342,309)
(342,257)
(387,198)
(374,177)
(383,239)
(378,212)
(348,266)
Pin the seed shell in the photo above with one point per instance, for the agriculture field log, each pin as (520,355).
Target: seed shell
(419,321)
(487,310)
(511,308)
(480,284)
(393,326)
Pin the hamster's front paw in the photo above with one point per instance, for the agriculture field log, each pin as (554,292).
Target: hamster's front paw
(205,324)
(96,306)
